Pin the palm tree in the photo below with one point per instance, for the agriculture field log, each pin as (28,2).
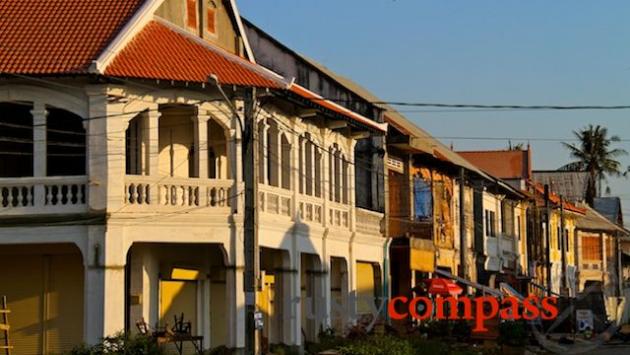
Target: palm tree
(595,155)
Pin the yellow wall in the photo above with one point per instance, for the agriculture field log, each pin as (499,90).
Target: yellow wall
(569,224)
(226,37)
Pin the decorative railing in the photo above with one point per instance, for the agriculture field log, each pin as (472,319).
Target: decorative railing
(43,195)
(275,200)
(338,215)
(369,222)
(311,209)
(172,193)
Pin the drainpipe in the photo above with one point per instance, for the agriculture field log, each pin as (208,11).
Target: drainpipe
(386,291)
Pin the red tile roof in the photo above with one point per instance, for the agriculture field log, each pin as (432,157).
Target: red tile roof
(161,51)
(58,36)
(504,164)
(329,105)
(539,191)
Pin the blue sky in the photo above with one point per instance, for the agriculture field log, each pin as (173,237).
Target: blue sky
(563,52)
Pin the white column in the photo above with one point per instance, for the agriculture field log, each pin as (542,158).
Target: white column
(201,145)
(234,157)
(104,285)
(234,291)
(325,296)
(150,141)
(295,310)
(325,185)
(264,156)
(351,187)
(106,151)
(39,114)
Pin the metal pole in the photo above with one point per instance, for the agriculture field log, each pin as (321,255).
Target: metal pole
(250,177)
(548,239)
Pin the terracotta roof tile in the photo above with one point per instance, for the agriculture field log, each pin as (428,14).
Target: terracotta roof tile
(58,36)
(161,51)
(504,164)
(329,105)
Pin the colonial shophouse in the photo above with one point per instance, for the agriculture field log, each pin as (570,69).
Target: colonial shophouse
(122,181)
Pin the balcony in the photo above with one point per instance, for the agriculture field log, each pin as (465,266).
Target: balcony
(168,194)
(420,229)
(43,195)
(369,222)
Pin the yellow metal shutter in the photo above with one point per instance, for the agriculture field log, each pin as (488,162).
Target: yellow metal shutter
(64,328)
(365,287)
(21,280)
(177,297)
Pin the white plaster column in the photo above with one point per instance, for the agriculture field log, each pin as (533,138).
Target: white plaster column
(235,296)
(296,179)
(39,114)
(296,296)
(150,141)
(106,150)
(104,285)
(325,185)
(352,281)
(325,295)
(201,144)
(351,187)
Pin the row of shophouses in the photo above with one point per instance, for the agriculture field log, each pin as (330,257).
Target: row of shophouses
(122,193)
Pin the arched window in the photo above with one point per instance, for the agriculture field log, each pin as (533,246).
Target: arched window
(286,162)
(16,140)
(65,143)
(218,166)
(133,146)
(273,154)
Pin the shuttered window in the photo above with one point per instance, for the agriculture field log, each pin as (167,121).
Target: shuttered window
(591,248)
(191,13)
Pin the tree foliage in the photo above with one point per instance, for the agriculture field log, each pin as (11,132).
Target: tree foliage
(594,153)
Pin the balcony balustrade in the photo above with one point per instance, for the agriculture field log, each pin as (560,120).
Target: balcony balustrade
(156,193)
(43,195)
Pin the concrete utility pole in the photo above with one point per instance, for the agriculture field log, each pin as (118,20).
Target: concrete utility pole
(462,224)
(250,177)
(548,238)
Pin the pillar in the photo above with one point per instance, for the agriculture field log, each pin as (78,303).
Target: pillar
(201,144)
(104,286)
(106,150)
(295,309)
(39,114)
(150,141)
(234,290)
